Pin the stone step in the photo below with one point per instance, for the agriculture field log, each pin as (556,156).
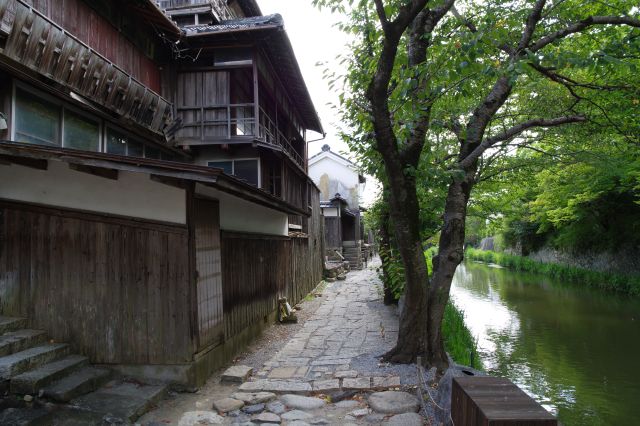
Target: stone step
(8,324)
(16,341)
(19,362)
(32,381)
(23,416)
(124,400)
(79,382)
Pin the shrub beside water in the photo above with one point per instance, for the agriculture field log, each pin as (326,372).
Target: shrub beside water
(629,284)
(458,341)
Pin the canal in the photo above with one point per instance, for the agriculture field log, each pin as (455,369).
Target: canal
(575,350)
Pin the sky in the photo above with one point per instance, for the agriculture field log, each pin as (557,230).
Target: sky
(316,40)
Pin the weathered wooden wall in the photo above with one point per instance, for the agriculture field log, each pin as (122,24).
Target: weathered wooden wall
(257,270)
(77,17)
(295,187)
(332,233)
(116,289)
(206,235)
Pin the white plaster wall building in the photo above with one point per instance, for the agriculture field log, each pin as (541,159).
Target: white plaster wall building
(340,186)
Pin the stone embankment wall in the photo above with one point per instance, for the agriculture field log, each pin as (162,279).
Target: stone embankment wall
(624,261)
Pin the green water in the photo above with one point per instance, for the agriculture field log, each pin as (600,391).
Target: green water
(575,350)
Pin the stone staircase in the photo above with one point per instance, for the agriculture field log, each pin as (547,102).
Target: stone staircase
(37,377)
(352,252)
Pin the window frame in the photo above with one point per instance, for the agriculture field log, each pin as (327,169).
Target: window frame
(63,104)
(233,166)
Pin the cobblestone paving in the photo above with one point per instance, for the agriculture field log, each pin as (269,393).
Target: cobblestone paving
(327,353)
(336,350)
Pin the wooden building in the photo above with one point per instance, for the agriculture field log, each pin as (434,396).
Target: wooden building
(341,185)
(154,196)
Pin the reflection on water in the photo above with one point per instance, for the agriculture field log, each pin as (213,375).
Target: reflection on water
(573,349)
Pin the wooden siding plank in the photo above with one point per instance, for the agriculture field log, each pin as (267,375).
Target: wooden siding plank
(278,267)
(117,291)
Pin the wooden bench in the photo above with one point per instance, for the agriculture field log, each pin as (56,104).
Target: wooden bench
(495,401)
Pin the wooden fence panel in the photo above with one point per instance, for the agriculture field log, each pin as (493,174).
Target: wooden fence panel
(257,270)
(117,290)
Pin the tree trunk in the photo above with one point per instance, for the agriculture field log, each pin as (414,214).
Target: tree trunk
(450,254)
(404,212)
(385,251)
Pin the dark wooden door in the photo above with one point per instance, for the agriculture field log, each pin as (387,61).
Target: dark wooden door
(208,272)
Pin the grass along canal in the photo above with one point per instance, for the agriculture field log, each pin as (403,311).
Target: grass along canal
(573,349)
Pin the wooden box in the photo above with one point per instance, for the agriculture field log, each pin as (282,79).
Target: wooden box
(495,401)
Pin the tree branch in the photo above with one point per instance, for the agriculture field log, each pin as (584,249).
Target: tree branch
(515,131)
(532,22)
(382,15)
(581,25)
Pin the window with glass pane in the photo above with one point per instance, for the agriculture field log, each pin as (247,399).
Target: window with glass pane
(120,144)
(116,143)
(37,121)
(135,149)
(150,152)
(247,170)
(80,132)
(226,166)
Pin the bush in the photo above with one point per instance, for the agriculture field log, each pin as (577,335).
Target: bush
(458,341)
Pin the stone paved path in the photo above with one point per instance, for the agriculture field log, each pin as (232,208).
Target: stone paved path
(339,346)
(331,365)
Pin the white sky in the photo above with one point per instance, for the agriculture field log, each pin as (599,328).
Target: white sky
(315,39)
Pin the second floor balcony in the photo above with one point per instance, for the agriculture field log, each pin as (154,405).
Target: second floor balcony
(235,123)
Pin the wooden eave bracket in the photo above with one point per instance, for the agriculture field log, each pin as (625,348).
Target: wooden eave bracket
(33,163)
(95,171)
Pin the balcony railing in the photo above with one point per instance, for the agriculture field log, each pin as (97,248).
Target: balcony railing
(214,123)
(270,134)
(171,4)
(220,7)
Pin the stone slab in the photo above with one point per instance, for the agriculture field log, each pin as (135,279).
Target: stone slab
(326,385)
(253,409)
(225,405)
(357,383)
(393,402)
(19,362)
(266,418)
(252,398)
(386,382)
(302,402)
(405,419)
(361,412)
(296,415)
(32,381)
(347,403)
(351,374)
(278,386)
(276,407)
(85,380)
(236,374)
(200,418)
(16,341)
(283,373)
(118,406)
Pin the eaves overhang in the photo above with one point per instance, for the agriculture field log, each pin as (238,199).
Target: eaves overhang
(170,172)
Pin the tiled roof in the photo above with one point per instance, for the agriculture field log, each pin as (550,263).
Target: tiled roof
(242,24)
